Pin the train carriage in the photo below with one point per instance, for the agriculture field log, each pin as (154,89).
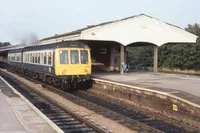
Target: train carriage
(62,64)
(15,59)
(39,58)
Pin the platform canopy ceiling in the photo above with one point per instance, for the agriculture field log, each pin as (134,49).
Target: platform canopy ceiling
(139,28)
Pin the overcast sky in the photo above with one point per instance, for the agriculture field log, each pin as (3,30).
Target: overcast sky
(20,18)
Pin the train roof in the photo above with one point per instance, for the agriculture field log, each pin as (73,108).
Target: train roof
(63,44)
(16,50)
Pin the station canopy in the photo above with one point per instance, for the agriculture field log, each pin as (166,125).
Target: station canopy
(140,28)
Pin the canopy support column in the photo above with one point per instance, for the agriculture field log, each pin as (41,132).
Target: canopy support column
(155,64)
(122,60)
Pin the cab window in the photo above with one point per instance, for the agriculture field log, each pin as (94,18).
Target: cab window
(84,57)
(63,57)
(74,57)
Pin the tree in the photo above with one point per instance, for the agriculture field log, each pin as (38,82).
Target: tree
(195,29)
(183,56)
(4,44)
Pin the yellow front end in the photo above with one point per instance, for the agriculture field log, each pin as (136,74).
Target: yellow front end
(72,61)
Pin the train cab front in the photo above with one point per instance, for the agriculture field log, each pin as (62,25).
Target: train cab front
(73,64)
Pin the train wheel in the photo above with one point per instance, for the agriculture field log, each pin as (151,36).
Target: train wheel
(49,80)
(64,85)
(87,84)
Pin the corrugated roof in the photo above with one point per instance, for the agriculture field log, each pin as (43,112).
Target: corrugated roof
(101,24)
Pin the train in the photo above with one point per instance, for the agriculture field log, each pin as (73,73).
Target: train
(64,64)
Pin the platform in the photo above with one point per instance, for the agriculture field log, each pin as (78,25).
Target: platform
(184,86)
(17,116)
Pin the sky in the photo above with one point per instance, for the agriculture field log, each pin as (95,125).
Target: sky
(20,19)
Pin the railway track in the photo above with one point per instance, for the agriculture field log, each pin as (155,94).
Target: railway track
(131,118)
(67,121)
(168,126)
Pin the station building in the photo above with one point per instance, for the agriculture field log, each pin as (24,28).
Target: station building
(108,41)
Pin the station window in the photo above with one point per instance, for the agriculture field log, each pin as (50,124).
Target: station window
(84,57)
(45,58)
(63,57)
(74,56)
(49,58)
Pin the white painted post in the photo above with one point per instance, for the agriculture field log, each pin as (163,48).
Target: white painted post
(155,64)
(122,60)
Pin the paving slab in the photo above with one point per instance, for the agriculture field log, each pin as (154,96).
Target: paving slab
(17,116)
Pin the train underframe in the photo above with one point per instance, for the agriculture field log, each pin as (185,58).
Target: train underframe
(68,82)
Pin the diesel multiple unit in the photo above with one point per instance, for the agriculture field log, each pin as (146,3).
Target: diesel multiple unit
(63,64)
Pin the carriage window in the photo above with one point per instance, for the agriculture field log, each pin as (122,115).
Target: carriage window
(63,57)
(13,58)
(33,57)
(42,58)
(28,57)
(45,58)
(84,57)
(25,57)
(49,58)
(74,57)
(39,58)
(17,58)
